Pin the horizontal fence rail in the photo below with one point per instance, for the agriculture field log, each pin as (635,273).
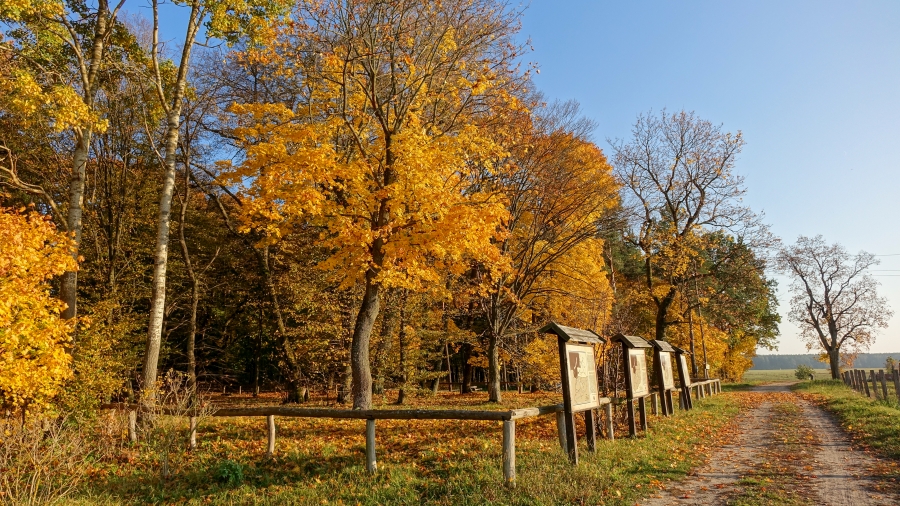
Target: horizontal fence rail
(507,417)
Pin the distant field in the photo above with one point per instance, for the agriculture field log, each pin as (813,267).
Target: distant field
(781,375)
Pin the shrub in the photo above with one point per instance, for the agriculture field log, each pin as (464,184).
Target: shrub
(40,462)
(230,473)
(804,372)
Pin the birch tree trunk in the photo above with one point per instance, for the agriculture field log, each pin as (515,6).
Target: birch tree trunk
(161,252)
(69,287)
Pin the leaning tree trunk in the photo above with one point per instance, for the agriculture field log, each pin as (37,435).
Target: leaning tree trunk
(361,391)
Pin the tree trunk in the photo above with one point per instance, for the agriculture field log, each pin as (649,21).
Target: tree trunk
(192,275)
(161,255)
(69,287)
(401,341)
(693,352)
(494,392)
(361,389)
(466,386)
(161,251)
(660,328)
(834,359)
(388,325)
(344,387)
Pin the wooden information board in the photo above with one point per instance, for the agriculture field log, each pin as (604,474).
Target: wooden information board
(582,371)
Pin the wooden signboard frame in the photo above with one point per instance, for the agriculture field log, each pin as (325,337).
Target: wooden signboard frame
(684,376)
(663,374)
(576,378)
(637,384)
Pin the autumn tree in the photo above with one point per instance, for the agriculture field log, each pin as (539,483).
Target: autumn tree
(223,19)
(34,360)
(834,298)
(559,190)
(681,190)
(62,50)
(385,148)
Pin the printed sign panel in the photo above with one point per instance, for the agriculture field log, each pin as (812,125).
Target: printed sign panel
(684,367)
(582,371)
(665,365)
(637,361)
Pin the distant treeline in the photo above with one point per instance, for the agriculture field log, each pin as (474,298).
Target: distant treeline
(865,360)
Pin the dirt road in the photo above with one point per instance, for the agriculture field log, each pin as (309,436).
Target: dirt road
(786,451)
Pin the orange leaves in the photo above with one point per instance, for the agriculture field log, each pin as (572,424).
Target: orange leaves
(388,173)
(33,359)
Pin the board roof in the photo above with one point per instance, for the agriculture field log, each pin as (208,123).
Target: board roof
(662,345)
(571,333)
(631,341)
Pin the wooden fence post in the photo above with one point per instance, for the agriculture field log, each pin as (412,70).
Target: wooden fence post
(632,426)
(132,426)
(874,383)
(610,423)
(590,427)
(509,453)
(862,377)
(270,424)
(883,378)
(561,430)
(193,436)
(371,466)
(896,378)
(642,407)
(860,384)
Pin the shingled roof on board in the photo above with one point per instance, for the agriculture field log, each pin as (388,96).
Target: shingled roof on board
(571,333)
(631,341)
(662,345)
(680,350)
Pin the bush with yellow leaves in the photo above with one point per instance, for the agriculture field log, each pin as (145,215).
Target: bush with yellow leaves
(33,357)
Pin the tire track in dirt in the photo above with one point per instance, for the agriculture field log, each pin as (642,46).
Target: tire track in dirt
(824,469)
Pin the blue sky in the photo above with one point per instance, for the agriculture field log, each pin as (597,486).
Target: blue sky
(814,87)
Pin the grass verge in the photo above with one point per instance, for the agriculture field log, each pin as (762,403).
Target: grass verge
(421,462)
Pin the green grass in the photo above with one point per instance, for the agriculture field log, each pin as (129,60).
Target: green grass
(875,423)
(773,375)
(420,462)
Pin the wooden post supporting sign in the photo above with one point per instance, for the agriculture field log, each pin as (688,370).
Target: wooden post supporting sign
(578,374)
(637,384)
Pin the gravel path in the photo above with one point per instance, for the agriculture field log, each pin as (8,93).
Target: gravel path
(831,474)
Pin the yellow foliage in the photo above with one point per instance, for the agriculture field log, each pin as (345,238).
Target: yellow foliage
(576,290)
(389,183)
(33,357)
(60,106)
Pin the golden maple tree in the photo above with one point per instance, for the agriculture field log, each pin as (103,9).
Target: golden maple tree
(387,147)
(33,357)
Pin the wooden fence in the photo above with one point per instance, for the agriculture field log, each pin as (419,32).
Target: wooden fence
(508,419)
(874,384)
